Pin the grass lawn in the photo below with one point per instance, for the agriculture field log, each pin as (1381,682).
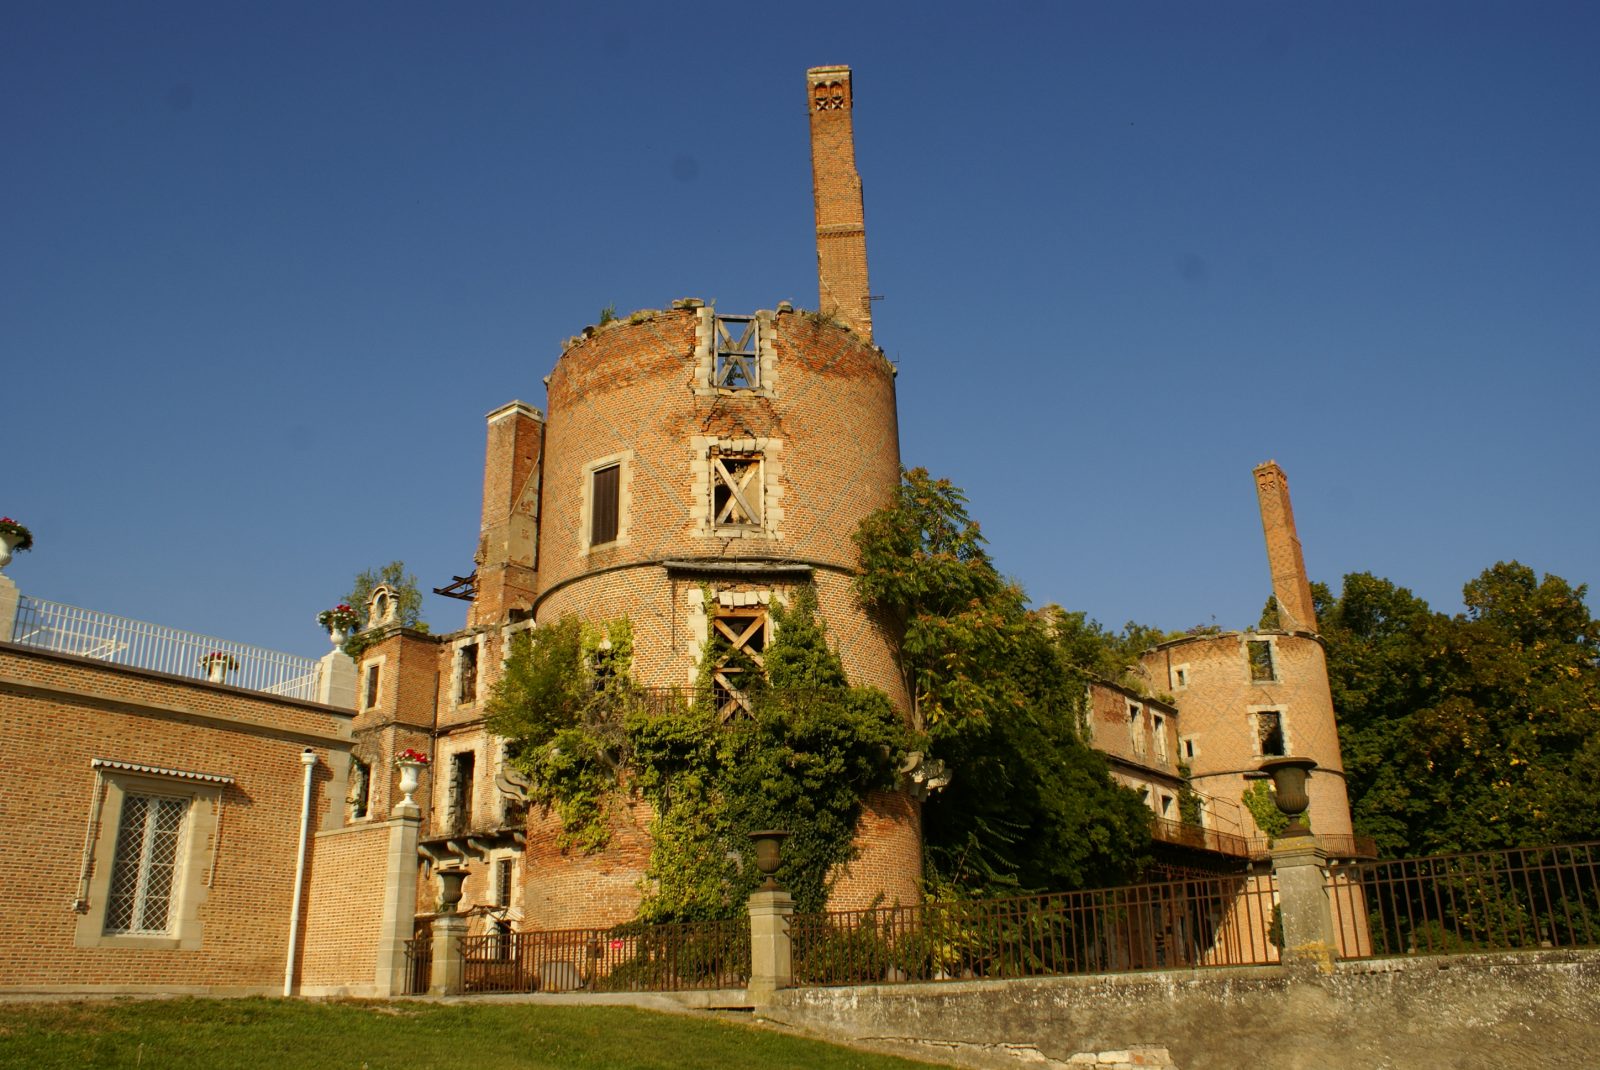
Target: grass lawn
(367,1035)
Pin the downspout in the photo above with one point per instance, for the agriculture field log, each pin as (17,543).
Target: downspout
(308,758)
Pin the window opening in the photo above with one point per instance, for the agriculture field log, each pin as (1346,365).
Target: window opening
(504,942)
(1260,651)
(1269,733)
(461,769)
(502,882)
(603,665)
(1187,747)
(467,689)
(1135,735)
(745,634)
(360,787)
(371,698)
(1159,729)
(146,865)
(738,362)
(1183,677)
(735,489)
(1166,805)
(605,504)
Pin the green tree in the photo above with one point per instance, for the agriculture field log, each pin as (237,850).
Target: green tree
(1470,731)
(1001,691)
(409,597)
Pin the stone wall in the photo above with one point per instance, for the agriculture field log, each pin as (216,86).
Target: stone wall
(1490,1011)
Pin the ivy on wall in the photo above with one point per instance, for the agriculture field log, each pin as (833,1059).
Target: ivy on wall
(803,759)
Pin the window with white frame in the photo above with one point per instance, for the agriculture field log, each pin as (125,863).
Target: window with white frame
(1136,728)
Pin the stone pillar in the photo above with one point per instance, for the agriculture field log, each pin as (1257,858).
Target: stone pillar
(449,962)
(771,954)
(398,919)
(336,680)
(1301,867)
(9,597)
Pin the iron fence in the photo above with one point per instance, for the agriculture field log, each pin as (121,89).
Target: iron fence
(1214,921)
(65,629)
(671,957)
(419,965)
(1516,898)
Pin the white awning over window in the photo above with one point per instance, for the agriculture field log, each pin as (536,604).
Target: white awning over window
(156,770)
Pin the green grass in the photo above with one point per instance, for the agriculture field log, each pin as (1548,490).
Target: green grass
(368,1035)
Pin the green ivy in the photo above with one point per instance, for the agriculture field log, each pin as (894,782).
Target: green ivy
(1190,810)
(1263,806)
(803,759)
(560,706)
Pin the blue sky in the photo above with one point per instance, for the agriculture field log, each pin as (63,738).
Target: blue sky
(264,268)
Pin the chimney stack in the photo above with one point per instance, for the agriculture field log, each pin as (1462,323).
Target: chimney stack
(509,539)
(841,221)
(1289,583)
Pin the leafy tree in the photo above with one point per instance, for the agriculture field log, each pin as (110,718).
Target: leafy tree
(1470,731)
(1001,691)
(564,722)
(407,594)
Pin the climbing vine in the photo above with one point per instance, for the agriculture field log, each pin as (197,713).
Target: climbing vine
(802,758)
(1263,806)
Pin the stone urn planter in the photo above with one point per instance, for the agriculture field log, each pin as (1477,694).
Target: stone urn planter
(450,882)
(410,777)
(8,546)
(217,666)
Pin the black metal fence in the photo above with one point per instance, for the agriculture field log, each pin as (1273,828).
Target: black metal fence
(419,965)
(1214,921)
(1516,898)
(627,958)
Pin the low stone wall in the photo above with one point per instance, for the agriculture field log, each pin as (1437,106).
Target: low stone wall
(1467,1011)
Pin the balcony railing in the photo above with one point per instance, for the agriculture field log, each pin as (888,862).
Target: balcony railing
(1183,834)
(137,644)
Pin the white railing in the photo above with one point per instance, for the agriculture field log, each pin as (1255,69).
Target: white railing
(67,629)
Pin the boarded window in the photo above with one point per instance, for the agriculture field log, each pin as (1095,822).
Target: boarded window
(1260,651)
(738,364)
(735,490)
(605,500)
(1269,732)
(741,638)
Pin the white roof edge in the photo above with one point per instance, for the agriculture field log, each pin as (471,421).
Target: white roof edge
(156,770)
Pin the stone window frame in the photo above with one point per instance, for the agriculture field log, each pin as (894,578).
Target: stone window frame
(705,356)
(1136,729)
(1158,736)
(1271,646)
(1253,714)
(1180,677)
(366,686)
(458,663)
(1188,748)
(114,783)
(704,452)
(623,462)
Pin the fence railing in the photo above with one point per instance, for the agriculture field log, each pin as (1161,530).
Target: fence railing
(137,644)
(1517,898)
(419,964)
(1343,848)
(1221,921)
(670,957)
(1184,834)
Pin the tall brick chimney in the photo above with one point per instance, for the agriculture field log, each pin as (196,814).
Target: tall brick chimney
(508,543)
(1289,583)
(841,221)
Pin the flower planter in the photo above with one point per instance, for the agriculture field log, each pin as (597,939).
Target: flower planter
(410,777)
(8,545)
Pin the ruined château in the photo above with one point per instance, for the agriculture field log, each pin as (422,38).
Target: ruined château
(689,469)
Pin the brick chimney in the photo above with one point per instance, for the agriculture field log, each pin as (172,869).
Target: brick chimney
(509,539)
(1289,583)
(841,222)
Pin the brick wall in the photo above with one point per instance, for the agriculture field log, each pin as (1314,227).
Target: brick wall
(343,907)
(58,713)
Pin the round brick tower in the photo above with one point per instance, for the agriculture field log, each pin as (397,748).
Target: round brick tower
(696,468)
(1246,696)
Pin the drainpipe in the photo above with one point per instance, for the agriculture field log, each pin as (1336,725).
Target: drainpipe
(308,758)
